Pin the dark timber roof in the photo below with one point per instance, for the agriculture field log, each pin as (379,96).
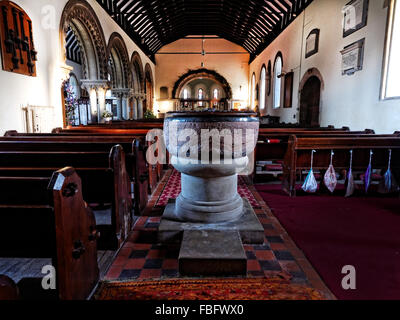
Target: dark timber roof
(252,24)
(72,47)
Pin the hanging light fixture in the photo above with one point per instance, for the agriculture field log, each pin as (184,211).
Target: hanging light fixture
(203,52)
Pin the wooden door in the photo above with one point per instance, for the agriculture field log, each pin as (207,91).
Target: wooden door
(310,103)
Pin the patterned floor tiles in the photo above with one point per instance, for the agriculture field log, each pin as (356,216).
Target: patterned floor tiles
(143,258)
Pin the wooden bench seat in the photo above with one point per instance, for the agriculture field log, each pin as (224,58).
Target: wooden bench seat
(105,180)
(298,155)
(128,142)
(46,217)
(272,147)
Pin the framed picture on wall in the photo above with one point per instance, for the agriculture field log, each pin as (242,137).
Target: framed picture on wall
(355,15)
(312,43)
(352,57)
(288,93)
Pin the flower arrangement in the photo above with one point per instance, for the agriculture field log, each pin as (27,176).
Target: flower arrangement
(107,114)
(149,115)
(71,103)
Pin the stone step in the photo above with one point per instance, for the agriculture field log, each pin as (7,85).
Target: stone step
(249,227)
(212,253)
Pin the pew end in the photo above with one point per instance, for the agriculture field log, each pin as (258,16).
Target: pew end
(76,237)
(8,289)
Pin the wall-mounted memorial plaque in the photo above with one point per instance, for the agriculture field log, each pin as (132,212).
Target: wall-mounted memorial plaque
(352,57)
(312,43)
(16,40)
(355,16)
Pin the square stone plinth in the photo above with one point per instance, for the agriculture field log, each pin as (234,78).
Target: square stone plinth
(249,227)
(212,253)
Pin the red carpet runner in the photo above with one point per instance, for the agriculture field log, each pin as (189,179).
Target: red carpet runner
(334,232)
(173,189)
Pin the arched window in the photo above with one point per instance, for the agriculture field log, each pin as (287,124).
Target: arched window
(185,94)
(253,92)
(216,94)
(200,96)
(390,85)
(263,84)
(277,88)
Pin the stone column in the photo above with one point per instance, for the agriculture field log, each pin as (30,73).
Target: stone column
(97,93)
(140,107)
(122,103)
(134,108)
(119,106)
(101,98)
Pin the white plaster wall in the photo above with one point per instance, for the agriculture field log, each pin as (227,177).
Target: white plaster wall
(18,90)
(346,100)
(233,67)
(289,44)
(45,89)
(77,68)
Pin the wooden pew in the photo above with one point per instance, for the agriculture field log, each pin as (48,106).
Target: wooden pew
(8,289)
(155,171)
(298,155)
(47,217)
(105,180)
(272,147)
(102,131)
(128,142)
(129,124)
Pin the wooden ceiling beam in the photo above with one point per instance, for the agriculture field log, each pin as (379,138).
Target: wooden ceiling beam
(252,24)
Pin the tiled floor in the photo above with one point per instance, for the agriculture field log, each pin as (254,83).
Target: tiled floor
(142,258)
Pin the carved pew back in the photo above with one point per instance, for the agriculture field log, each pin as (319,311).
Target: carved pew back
(105,180)
(95,142)
(50,219)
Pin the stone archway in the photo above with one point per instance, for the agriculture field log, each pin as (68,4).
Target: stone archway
(310,98)
(310,73)
(137,85)
(137,73)
(81,18)
(149,89)
(201,73)
(119,67)
(118,52)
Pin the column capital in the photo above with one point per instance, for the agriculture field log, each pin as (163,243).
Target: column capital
(95,84)
(121,93)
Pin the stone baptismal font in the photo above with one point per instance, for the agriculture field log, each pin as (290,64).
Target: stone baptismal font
(209,217)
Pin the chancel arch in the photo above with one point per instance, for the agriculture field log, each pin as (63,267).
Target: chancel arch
(79,17)
(208,81)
